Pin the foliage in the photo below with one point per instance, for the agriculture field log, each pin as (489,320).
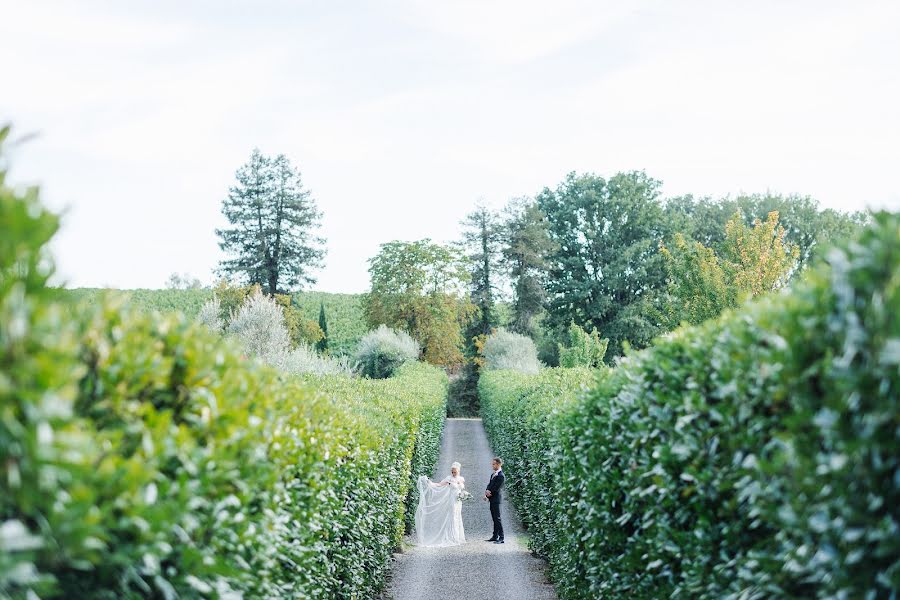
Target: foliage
(754,456)
(807,225)
(187,302)
(303,359)
(582,349)
(272,219)
(481,241)
(183,281)
(260,329)
(750,262)
(347,321)
(228,300)
(518,410)
(232,297)
(143,457)
(698,284)
(606,265)
(527,246)
(421,288)
(422,390)
(462,396)
(303,332)
(322,344)
(759,259)
(507,350)
(211,315)
(382,351)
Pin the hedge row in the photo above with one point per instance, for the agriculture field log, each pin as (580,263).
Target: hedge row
(517,409)
(756,456)
(143,457)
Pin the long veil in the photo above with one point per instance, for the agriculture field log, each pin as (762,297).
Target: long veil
(435,524)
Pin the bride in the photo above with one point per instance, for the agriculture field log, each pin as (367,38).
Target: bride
(439,514)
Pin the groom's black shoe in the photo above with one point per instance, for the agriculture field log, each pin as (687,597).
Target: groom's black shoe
(498,541)
(493,539)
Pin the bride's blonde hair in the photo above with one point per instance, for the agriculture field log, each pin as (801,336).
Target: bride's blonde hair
(456,466)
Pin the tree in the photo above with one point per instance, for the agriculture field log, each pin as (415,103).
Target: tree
(481,241)
(178,281)
(526,248)
(322,345)
(272,221)
(752,261)
(606,267)
(582,349)
(806,224)
(422,288)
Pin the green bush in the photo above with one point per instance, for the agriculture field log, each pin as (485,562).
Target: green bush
(756,456)
(143,457)
(383,350)
(582,349)
(505,350)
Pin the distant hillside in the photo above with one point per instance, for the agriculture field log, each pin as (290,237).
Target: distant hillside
(346,322)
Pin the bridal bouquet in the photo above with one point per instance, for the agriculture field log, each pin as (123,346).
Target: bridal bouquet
(464,495)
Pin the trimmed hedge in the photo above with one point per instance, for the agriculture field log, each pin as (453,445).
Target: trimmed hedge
(142,456)
(755,456)
(518,409)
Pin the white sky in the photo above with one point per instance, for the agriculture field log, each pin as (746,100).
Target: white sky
(402,114)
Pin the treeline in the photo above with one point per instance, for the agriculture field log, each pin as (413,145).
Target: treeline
(610,257)
(753,456)
(613,255)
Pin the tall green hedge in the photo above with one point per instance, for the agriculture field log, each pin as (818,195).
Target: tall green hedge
(143,457)
(755,456)
(519,410)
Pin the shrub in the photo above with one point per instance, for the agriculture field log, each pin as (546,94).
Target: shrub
(383,350)
(582,349)
(143,457)
(754,456)
(304,359)
(507,350)
(210,315)
(259,327)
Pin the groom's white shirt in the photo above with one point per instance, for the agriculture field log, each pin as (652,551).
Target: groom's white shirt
(495,473)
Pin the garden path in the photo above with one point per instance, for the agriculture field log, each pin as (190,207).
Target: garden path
(476,569)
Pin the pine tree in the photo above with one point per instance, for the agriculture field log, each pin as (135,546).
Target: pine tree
(272,219)
(526,248)
(481,242)
(322,345)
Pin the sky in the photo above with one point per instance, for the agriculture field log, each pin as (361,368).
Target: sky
(402,115)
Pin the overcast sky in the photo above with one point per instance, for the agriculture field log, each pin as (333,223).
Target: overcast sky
(401,115)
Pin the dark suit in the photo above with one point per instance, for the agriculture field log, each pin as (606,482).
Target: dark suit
(493,487)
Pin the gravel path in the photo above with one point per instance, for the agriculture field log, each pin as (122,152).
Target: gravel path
(477,569)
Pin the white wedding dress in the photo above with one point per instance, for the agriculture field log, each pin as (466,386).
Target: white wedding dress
(439,514)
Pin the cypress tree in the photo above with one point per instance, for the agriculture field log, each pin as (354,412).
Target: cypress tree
(322,345)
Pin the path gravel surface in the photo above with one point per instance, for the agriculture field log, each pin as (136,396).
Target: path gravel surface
(477,569)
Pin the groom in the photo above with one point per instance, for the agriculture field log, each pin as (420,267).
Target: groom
(492,495)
